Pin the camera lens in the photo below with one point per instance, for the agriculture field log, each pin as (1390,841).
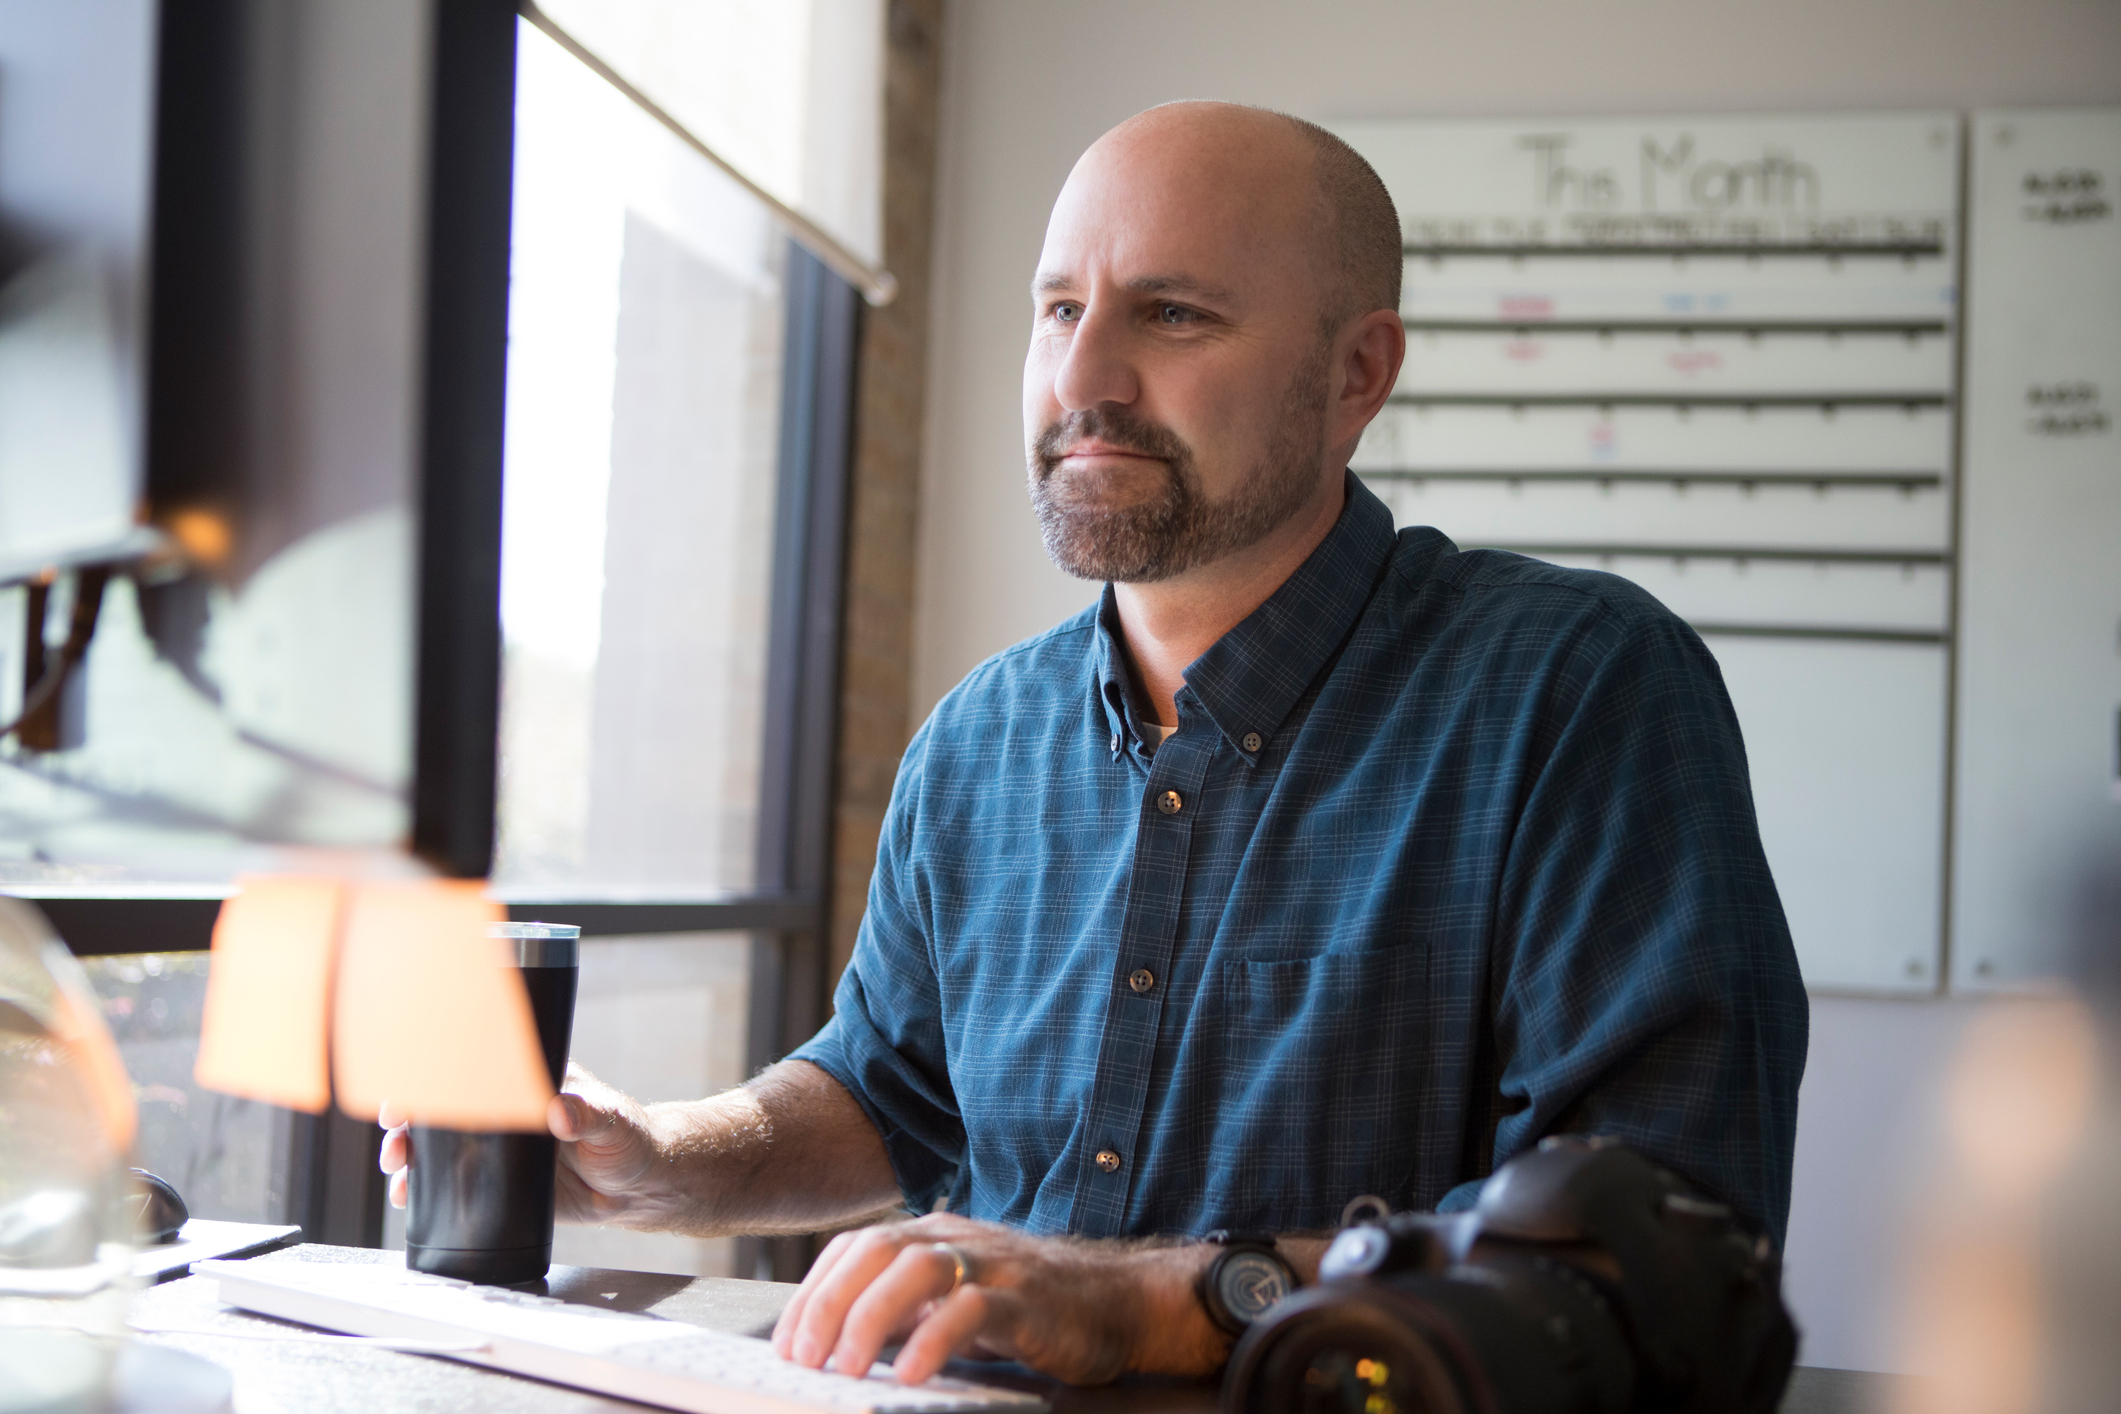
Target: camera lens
(1518,1332)
(1342,1382)
(1364,1351)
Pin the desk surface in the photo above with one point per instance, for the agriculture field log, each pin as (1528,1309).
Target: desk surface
(272,1377)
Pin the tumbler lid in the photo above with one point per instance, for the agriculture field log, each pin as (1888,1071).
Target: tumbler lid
(541,944)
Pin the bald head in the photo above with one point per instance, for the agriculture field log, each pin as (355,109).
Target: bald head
(1215,319)
(1359,219)
(1327,198)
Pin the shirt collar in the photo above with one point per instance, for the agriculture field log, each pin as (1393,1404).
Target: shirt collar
(1253,675)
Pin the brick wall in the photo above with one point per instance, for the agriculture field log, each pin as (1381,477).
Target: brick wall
(878,645)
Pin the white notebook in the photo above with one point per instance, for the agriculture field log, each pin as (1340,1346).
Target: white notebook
(201,1240)
(646,1358)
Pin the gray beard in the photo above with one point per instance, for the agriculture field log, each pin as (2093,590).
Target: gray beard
(1180,529)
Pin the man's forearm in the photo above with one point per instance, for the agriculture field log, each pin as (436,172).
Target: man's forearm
(1176,1336)
(1085,1310)
(789,1152)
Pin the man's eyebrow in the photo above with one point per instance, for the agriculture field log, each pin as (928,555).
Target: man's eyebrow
(1183,286)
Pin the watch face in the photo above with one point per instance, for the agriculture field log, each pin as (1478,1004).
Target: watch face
(1249,1283)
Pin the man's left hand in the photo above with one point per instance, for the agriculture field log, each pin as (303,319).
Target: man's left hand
(1084,1312)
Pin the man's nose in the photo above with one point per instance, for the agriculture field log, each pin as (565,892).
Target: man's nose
(1098,366)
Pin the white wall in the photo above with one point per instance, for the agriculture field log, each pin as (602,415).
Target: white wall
(1028,86)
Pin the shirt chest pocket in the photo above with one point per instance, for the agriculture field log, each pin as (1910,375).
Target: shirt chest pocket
(1289,1017)
(1318,1069)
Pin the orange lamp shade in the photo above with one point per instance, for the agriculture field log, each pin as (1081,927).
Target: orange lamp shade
(371,992)
(268,992)
(431,1015)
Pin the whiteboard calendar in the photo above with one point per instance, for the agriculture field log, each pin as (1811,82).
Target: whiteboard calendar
(2036,879)
(1718,356)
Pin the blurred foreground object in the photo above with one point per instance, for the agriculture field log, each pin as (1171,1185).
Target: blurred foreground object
(397,982)
(2013,1279)
(68,481)
(67,1204)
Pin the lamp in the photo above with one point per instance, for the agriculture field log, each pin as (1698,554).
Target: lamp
(362,991)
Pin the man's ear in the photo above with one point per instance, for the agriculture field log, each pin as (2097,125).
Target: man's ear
(1370,350)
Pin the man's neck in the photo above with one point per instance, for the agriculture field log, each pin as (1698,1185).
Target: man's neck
(1171,622)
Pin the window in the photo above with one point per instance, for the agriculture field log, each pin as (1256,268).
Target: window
(646,311)
(219,1150)
(667,499)
(679,383)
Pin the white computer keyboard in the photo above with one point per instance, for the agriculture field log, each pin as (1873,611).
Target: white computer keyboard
(632,1356)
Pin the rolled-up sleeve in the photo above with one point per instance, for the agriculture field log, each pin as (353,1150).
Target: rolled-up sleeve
(1645,985)
(885,1039)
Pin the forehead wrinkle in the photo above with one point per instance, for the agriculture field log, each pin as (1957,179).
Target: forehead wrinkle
(1179,285)
(1185,285)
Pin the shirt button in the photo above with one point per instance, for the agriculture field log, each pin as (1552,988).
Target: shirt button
(1141,979)
(1252,741)
(1108,1161)
(1115,741)
(1169,803)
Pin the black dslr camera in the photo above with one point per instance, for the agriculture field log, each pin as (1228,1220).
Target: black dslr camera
(1585,1281)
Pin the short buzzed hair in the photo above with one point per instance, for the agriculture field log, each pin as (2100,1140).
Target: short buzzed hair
(1364,223)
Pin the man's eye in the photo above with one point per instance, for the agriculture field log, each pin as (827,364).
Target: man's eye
(1066,312)
(1173,314)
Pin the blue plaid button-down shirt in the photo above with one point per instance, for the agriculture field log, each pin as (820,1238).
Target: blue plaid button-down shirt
(1450,850)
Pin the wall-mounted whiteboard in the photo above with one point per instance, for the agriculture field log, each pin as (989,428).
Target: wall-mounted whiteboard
(1717,356)
(2037,858)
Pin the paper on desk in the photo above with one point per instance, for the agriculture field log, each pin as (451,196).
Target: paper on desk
(268,989)
(487,1310)
(430,1015)
(203,1239)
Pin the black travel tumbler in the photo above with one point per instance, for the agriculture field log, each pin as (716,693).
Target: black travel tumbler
(480,1206)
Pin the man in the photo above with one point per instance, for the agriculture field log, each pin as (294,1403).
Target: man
(1313,861)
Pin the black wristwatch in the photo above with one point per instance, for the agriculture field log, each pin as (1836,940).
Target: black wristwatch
(1245,1278)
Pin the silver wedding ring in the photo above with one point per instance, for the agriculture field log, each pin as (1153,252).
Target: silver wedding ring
(961,1265)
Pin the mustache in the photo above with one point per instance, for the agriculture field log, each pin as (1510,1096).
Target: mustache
(1114,425)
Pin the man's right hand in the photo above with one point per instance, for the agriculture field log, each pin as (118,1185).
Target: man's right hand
(789,1152)
(606,1154)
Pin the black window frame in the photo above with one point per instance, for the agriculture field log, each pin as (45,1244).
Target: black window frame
(332,1185)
